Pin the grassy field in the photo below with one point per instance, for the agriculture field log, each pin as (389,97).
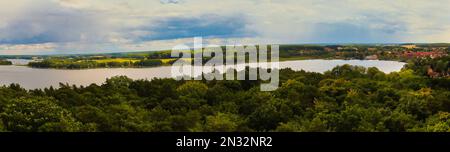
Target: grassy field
(164,61)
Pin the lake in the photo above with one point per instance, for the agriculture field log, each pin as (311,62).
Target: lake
(31,78)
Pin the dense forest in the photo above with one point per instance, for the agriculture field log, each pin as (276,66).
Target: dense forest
(88,64)
(5,62)
(344,99)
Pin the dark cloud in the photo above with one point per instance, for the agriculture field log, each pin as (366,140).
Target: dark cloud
(50,23)
(353,33)
(205,26)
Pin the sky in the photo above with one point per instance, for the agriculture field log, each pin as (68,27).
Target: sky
(102,26)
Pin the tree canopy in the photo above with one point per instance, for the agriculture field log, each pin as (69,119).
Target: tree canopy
(344,99)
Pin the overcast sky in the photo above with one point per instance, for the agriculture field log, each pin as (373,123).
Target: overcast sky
(87,26)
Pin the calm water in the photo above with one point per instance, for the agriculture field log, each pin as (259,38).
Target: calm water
(40,78)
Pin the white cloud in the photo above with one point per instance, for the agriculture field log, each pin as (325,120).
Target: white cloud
(22,49)
(84,24)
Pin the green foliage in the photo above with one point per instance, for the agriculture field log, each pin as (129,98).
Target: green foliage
(193,89)
(344,99)
(148,63)
(439,122)
(2,127)
(123,118)
(5,62)
(432,67)
(38,114)
(223,122)
(88,64)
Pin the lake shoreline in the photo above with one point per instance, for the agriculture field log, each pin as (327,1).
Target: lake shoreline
(145,67)
(35,78)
